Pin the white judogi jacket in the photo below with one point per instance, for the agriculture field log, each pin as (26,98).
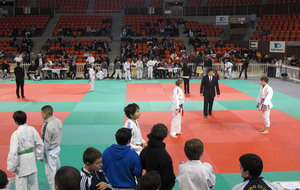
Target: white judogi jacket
(194,175)
(24,138)
(265,96)
(136,139)
(178,98)
(90,60)
(127,66)
(92,73)
(228,66)
(150,65)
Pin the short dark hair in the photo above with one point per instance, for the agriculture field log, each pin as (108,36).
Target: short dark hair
(3,179)
(47,110)
(150,181)
(193,149)
(67,178)
(130,109)
(252,163)
(90,155)
(159,131)
(209,70)
(266,79)
(123,136)
(20,117)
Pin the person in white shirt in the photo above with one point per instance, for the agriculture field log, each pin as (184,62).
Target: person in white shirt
(251,167)
(150,65)
(51,135)
(127,70)
(91,77)
(177,108)
(264,103)
(195,174)
(278,67)
(26,146)
(228,66)
(18,58)
(132,111)
(90,60)
(139,66)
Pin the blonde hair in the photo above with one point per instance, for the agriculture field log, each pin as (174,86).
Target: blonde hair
(179,81)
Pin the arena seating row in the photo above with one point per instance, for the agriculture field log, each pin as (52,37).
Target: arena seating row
(133,3)
(23,3)
(156,3)
(15,25)
(212,3)
(193,3)
(78,25)
(107,6)
(69,47)
(142,24)
(206,29)
(70,6)
(9,48)
(282,1)
(284,27)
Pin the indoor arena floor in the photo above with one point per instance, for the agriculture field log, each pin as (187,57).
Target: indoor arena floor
(92,118)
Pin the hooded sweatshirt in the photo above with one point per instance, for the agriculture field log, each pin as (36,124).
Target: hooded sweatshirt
(121,165)
(155,157)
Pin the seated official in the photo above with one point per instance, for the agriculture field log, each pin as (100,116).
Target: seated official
(4,68)
(32,72)
(72,70)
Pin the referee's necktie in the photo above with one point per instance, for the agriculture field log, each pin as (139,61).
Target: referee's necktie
(44,130)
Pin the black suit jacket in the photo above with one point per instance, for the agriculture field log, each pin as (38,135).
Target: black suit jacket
(19,72)
(208,88)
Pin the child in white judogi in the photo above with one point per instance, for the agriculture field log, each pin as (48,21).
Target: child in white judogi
(195,174)
(127,70)
(51,134)
(264,103)
(228,66)
(176,108)
(139,66)
(137,143)
(92,77)
(278,65)
(150,65)
(26,146)
(100,75)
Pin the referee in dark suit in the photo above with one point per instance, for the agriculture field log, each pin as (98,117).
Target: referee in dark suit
(20,74)
(207,89)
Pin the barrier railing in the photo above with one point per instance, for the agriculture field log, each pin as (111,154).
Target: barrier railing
(254,70)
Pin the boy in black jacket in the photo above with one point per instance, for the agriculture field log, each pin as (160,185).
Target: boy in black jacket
(155,157)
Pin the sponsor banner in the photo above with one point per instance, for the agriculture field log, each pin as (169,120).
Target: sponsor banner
(277,47)
(222,20)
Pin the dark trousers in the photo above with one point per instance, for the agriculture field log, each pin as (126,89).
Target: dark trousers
(208,102)
(244,68)
(186,85)
(20,83)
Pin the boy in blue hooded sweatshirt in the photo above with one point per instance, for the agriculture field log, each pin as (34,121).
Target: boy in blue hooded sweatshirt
(120,163)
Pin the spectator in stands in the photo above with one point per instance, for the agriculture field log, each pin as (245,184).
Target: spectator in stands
(67,178)
(155,157)
(18,58)
(208,63)
(191,57)
(251,167)
(252,19)
(266,59)
(121,164)
(194,174)
(4,68)
(187,74)
(294,61)
(150,181)
(245,66)
(92,176)
(32,71)
(90,60)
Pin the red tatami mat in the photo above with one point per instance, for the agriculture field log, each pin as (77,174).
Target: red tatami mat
(45,92)
(8,126)
(229,134)
(164,91)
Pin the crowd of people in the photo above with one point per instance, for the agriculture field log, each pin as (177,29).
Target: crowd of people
(121,165)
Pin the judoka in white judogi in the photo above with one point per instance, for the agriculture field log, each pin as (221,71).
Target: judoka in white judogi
(127,71)
(177,102)
(136,140)
(92,79)
(228,66)
(26,146)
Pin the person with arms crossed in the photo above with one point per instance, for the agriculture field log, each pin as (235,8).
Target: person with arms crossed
(207,89)
(52,134)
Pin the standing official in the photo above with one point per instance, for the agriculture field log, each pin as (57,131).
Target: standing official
(207,89)
(51,135)
(20,74)
(245,66)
